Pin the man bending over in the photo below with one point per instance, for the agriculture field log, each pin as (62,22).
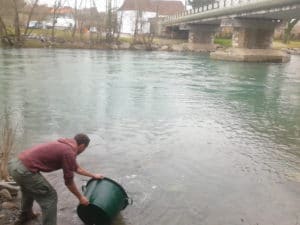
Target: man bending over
(48,157)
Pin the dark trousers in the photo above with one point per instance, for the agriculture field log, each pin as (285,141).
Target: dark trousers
(35,187)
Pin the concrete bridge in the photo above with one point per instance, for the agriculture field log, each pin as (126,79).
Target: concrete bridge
(253,23)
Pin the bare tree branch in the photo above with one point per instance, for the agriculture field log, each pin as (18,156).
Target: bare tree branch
(288,30)
(16,21)
(30,15)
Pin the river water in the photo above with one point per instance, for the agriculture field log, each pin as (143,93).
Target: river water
(193,141)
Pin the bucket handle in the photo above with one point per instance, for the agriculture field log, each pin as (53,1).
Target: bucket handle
(83,187)
(130,201)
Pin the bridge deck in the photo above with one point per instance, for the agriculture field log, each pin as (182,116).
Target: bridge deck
(218,10)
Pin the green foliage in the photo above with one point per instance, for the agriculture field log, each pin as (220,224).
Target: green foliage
(223,42)
(125,39)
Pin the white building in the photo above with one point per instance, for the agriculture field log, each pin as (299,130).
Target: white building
(135,14)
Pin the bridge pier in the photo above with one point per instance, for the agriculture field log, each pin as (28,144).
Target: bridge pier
(253,33)
(202,33)
(252,42)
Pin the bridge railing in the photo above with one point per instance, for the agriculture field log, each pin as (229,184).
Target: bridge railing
(215,4)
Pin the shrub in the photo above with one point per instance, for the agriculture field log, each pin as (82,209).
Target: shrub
(224,42)
(7,143)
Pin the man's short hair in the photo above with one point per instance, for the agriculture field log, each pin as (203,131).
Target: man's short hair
(82,139)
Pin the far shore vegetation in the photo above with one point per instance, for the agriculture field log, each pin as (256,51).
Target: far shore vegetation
(65,39)
(223,42)
(38,38)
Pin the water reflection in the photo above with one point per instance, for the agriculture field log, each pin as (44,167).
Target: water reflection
(261,92)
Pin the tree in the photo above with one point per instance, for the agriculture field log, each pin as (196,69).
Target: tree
(288,30)
(199,3)
(4,33)
(86,17)
(76,19)
(16,21)
(138,23)
(33,3)
(9,13)
(56,6)
(109,23)
(138,27)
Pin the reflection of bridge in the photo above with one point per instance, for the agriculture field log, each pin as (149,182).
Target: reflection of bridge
(253,21)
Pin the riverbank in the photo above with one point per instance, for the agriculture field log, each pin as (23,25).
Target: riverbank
(36,40)
(143,43)
(10,208)
(123,44)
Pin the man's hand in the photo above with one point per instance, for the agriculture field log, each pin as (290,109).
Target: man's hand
(84,201)
(98,176)
(86,173)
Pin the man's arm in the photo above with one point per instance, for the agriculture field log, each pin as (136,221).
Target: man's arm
(86,173)
(82,199)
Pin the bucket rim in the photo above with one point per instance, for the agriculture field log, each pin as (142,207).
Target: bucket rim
(116,183)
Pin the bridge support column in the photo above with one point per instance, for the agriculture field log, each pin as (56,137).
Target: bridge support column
(252,42)
(202,33)
(253,33)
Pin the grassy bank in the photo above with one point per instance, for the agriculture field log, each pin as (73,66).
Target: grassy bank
(223,42)
(279,45)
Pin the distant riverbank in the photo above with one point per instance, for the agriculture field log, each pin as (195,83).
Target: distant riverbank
(157,44)
(144,44)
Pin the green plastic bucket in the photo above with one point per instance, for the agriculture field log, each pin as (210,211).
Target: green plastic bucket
(107,198)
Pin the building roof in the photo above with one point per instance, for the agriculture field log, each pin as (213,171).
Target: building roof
(143,5)
(169,7)
(63,10)
(162,7)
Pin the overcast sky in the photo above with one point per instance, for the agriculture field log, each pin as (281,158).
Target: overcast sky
(99,3)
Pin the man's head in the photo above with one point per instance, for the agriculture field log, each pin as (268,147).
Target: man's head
(82,141)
